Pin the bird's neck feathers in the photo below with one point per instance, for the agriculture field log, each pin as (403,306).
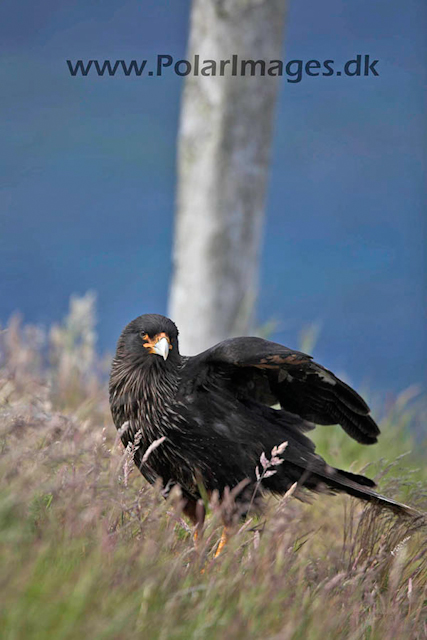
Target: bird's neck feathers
(144,381)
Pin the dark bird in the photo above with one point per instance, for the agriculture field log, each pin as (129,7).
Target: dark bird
(213,416)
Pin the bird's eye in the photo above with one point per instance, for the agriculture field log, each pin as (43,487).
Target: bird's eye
(144,335)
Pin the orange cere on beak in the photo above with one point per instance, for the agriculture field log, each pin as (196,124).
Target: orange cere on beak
(150,343)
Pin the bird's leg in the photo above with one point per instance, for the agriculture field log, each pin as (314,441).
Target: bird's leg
(196,537)
(196,512)
(223,541)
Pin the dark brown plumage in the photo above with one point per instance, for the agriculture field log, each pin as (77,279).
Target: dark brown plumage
(215,411)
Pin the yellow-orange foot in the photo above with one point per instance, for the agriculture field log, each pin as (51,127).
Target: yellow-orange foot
(223,541)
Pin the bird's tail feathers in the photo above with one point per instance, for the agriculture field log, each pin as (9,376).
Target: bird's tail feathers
(361,487)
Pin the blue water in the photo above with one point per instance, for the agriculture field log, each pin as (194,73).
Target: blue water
(88,172)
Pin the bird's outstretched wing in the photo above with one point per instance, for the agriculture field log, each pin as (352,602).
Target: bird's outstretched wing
(271,373)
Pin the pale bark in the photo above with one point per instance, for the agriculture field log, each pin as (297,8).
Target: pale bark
(223,159)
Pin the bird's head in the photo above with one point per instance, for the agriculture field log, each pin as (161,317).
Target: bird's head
(149,338)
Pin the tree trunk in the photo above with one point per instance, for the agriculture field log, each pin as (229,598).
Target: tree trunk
(223,158)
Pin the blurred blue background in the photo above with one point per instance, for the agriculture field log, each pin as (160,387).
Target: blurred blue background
(88,176)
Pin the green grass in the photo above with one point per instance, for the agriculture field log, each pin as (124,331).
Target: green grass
(88,549)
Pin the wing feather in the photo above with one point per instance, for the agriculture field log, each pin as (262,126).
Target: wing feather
(272,373)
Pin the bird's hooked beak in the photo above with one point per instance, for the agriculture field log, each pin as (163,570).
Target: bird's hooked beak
(161,347)
(160,344)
